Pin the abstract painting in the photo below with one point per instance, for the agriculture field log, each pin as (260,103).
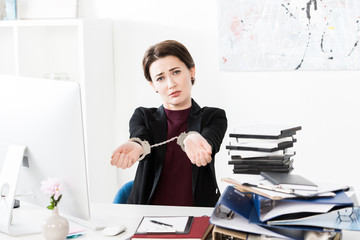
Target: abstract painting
(289,35)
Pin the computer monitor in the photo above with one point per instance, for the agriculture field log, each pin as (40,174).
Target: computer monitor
(45,116)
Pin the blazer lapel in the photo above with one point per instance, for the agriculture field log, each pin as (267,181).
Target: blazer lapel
(194,124)
(159,127)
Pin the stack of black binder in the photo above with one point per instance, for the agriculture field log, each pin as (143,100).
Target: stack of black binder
(255,149)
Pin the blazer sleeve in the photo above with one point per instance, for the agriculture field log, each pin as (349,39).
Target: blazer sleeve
(139,124)
(214,125)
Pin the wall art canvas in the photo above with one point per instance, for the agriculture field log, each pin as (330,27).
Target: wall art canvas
(289,35)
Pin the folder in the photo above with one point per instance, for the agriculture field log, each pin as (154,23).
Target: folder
(245,219)
(344,219)
(297,232)
(267,209)
(241,206)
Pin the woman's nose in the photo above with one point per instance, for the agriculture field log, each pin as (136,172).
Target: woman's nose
(171,82)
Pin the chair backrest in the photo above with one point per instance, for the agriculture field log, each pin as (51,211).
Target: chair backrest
(123,194)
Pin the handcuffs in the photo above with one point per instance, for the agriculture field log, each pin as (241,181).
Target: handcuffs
(147,147)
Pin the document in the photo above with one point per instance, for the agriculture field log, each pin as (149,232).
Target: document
(176,224)
(344,219)
(324,188)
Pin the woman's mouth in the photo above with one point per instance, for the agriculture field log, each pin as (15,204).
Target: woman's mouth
(175,94)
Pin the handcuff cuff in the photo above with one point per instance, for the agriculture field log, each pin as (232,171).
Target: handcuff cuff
(147,147)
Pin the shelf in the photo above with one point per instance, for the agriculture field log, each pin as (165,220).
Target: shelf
(83,50)
(43,22)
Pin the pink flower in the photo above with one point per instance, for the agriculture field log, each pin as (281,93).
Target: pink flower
(53,187)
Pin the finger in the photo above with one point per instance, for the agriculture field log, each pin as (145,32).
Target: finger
(120,162)
(192,160)
(125,162)
(130,161)
(203,159)
(114,158)
(118,150)
(191,157)
(198,160)
(207,148)
(208,158)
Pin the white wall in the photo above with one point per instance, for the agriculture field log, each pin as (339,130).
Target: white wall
(325,103)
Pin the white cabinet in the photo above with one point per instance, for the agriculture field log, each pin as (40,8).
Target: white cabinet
(80,50)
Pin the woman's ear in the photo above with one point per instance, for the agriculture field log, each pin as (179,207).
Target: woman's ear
(153,86)
(192,72)
(192,75)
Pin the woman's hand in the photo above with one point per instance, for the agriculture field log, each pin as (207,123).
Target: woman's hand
(126,155)
(198,149)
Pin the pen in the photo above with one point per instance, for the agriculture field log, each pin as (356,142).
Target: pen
(74,236)
(161,223)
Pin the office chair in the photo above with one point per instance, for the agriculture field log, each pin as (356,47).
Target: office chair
(123,193)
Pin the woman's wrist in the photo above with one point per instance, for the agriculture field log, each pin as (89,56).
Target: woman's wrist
(145,147)
(181,139)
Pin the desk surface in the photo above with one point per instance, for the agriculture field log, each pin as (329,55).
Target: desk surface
(130,216)
(118,214)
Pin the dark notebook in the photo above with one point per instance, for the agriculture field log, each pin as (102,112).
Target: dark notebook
(291,181)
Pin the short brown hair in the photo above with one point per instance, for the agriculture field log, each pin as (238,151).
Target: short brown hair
(164,49)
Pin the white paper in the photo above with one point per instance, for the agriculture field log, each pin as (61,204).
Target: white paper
(324,188)
(154,224)
(287,207)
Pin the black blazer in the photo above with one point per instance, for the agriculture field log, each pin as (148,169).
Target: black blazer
(151,124)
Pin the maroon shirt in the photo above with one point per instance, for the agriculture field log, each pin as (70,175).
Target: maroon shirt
(175,183)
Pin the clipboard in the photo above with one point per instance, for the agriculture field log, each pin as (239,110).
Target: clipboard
(165,225)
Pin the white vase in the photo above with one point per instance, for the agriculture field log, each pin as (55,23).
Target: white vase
(55,227)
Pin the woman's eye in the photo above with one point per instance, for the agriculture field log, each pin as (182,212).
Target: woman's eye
(159,78)
(176,72)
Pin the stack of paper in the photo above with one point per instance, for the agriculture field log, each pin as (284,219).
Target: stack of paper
(262,148)
(255,210)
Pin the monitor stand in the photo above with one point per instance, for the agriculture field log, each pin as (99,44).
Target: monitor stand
(95,223)
(8,182)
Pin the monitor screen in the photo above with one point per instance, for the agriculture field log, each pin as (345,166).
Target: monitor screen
(46,116)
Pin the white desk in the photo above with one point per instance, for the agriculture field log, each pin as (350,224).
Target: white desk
(121,214)
(130,216)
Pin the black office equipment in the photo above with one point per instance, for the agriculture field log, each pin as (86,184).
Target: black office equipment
(257,148)
(288,180)
(265,131)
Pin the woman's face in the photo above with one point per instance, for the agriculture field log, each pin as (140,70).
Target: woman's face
(172,80)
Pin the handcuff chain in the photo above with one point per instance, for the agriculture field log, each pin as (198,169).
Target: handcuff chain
(164,142)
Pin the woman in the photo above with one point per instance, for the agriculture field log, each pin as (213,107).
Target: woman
(179,172)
